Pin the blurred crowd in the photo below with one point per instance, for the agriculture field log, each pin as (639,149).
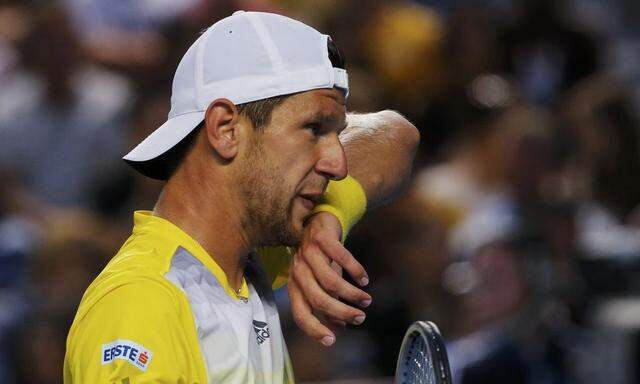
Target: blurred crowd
(519,234)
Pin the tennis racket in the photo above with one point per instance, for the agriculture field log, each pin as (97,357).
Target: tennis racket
(423,358)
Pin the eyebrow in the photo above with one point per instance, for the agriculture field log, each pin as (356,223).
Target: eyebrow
(338,100)
(328,118)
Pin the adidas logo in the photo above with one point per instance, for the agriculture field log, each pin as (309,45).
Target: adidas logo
(262,331)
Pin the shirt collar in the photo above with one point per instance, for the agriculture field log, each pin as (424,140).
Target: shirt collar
(166,231)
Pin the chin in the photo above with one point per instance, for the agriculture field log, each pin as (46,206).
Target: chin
(299,214)
(296,231)
(288,239)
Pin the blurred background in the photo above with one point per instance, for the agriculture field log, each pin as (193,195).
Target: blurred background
(519,234)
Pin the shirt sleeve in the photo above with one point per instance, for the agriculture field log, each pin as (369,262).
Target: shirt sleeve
(276,261)
(139,332)
(346,200)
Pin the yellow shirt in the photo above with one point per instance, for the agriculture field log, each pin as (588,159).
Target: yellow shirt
(162,311)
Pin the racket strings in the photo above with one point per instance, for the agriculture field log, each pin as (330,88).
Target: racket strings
(418,362)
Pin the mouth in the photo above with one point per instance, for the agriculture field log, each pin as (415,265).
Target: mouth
(309,200)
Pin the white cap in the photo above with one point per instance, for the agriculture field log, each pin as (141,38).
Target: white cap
(245,57)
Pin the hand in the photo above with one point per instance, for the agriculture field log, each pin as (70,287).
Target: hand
(315,285)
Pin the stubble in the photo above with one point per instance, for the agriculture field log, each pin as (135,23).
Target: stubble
(267,200)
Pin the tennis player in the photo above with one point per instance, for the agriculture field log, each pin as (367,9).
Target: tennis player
(255,153)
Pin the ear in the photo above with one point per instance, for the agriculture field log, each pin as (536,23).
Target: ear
(221,125)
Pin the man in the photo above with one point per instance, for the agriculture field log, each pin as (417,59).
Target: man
(256,131)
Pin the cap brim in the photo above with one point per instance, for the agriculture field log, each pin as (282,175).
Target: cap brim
(165,137)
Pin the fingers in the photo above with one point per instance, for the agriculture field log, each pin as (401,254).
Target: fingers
(336,267)
(319,299)
(316,285)
(323,230)
(337,252)
(332,281)
(305,319)
(333,321)
(334,325)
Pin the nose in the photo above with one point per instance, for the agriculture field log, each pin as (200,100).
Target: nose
(332,161)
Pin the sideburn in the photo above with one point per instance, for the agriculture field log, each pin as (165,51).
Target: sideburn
(267,206)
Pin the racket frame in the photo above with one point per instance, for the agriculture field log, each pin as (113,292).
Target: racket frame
(430,333)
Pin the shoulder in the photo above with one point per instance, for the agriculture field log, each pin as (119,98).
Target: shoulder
(133,281)
(134,308)
(136,328)
(121,301)
(131,307)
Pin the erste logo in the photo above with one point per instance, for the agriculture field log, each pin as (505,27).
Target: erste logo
(128,350)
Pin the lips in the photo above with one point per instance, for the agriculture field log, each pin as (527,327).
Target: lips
(309,200)
(308,203)
(313,197)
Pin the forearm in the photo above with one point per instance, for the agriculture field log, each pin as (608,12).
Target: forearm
(380,148)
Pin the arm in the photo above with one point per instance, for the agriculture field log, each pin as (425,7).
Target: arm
(379,149)
(106,344)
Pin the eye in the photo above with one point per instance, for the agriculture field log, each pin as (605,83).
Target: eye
(313,127)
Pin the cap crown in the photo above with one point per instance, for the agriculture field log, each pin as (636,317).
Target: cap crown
(251,56)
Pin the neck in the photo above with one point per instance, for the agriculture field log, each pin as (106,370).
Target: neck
(206,212)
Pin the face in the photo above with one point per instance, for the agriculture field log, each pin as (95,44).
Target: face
(287,165)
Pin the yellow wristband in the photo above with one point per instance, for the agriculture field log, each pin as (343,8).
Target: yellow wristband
(346,200)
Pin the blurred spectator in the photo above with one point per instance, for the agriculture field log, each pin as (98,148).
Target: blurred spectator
(125,33)
(547,58)
(61,118)
(122,191)
(42,339)
(605,166)
(469,50)
(97,18)
(14,26)
(489,278)
(405,249)
(19,236)
(501,150)
(401,46)
(497,277)
(74,249)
